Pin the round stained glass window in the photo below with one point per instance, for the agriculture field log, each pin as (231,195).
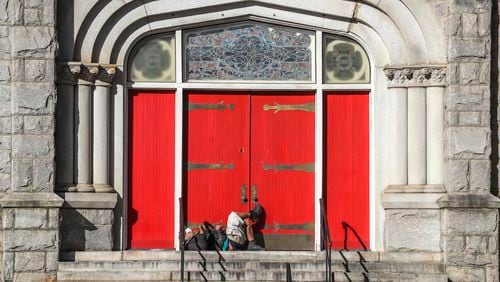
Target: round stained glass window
(154,61)
(344,61)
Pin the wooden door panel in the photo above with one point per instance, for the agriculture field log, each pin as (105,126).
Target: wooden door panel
(282,167)
(151,177)
(347,169)
(216,155)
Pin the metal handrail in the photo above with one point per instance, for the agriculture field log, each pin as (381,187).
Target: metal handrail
(327,241)
(181,236)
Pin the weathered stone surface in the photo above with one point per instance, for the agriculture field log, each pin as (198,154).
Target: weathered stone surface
(463,48)
(5,100)
(5,182)
(492,274)
(34,276)
(33,98)
(98,217)
(30,218)
(5,71)
(470,221)
(5,125)
(32,17)
(493,244)
(48,124)
(8,266)
(100,239)
(470,118)
(54,219)
(33,125)
(480,172)
(476,244)
(8,218)
(466,274)
(17,7)
(468,98)
(35,42)
(24,146)
(454,244)
(30,240)
(36,70)
(51,259)
(4,11)
(22,174)
(29,261)
(457,175)
(469,25)
(17,124)
(5,161)
(406,228)
(43,175)
(469,73)
(5,142)
(469,142)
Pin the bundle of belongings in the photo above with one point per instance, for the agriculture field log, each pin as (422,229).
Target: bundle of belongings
(207,237)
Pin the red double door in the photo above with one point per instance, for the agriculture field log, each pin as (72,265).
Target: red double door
(245,147)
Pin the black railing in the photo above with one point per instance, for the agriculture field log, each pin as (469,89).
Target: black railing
(181,236)
(327,241)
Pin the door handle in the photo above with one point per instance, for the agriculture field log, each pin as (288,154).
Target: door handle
(254,193)
(244,198)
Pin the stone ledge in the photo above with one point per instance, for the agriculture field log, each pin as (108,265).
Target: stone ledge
(468,200)
(31,200)
(89,200)
(412,196)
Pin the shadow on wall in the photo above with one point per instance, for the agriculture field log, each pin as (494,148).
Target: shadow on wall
(86,230)
(494,90)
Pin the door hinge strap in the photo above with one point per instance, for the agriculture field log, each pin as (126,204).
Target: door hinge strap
(208,106)
(308,107)
(195,166)
(296,167)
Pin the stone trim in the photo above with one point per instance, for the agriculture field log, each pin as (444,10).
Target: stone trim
(468,200)
(415,76)
(89,200)
(412,196)
(31,200)
(85,73)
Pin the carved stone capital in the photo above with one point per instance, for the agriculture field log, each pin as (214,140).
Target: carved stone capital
(89,72)
(106,74)
(415,76)
(67,73)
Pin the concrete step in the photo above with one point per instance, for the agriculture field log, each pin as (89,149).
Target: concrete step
(277,256)
(189,276)
(360,276)
(252,265)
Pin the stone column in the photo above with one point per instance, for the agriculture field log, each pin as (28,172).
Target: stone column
(83,124)
(65,112)
(416,135)
(435,135)
(102,117)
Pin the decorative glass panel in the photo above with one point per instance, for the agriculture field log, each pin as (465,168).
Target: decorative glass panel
(154,60)
(345,61)
(249,51)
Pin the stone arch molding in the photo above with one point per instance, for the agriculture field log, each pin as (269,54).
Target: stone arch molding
(395,32)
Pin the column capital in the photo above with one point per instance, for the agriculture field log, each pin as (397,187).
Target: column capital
(105,75)
(68,73)
(416,76)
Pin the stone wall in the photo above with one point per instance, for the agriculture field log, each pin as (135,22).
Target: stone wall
(469,211)
(27,102)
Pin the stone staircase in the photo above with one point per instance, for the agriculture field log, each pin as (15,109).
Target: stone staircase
(250,266)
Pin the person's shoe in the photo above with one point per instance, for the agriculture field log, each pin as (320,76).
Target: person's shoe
(252,246)
(256,212)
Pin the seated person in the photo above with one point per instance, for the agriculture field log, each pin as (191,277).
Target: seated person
(239,230)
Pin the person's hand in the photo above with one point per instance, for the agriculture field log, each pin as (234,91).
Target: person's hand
(248,221)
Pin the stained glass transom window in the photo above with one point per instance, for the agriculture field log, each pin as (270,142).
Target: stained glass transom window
(344,61)
(249,51)
(154,60)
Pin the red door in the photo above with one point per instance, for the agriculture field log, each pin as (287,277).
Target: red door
(217,154)
(243,145)
(282,168)
(347,169)
(151,177)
